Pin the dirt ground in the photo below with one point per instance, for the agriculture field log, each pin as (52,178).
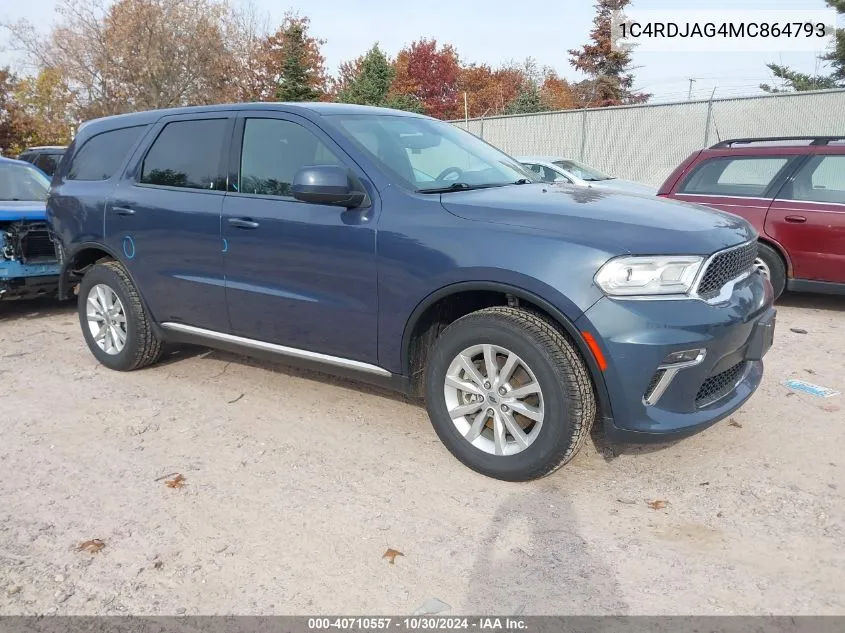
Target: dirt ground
(296,484)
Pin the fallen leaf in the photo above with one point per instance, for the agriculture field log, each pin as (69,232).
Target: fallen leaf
(657,505)
(735,424)
(236,399)
(810,371)
(177,482)
(626,501)
(93,546)
(830,408)
(157,564)
(797,330)
(391,555)
(704,483)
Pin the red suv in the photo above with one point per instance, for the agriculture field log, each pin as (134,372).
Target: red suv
(792,189)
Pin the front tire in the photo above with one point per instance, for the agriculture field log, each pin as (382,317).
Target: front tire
(115,324)
(508,394)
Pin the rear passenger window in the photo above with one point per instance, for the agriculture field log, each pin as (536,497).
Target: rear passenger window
(187,154)
(821,179)
(101,156)
(745,176)
(273,151)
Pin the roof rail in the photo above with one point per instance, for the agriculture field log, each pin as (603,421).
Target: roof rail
(814,140)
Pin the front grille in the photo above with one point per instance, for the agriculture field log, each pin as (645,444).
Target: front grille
(725,266)
(653,383)
(37,247)
(718,386)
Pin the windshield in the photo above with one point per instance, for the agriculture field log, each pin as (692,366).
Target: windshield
(580,170)
(428,155)
(21,182)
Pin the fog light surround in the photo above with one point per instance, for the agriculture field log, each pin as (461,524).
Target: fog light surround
(685,356)
(673,363)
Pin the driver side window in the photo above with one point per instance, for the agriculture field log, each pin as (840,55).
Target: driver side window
(273,151)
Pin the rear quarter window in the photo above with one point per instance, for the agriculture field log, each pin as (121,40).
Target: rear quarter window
(745,176)
(187,154)
(102,155)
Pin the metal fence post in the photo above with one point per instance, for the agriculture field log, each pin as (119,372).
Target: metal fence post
(709,118)
(583,135)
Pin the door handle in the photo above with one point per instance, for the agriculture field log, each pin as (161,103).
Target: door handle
(123,211)
(795,219)
(243,223)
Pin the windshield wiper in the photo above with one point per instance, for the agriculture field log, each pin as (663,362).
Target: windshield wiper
(457,186)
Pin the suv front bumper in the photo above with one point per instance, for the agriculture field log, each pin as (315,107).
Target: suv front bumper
(636,336)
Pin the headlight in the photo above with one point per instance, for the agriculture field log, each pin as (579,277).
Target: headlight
(668,275)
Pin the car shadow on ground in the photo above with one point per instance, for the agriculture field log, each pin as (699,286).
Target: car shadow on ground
(611,451)
(811,301)
(11,309)
(308,374)
(534,561)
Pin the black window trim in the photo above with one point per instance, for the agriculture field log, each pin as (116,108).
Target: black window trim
(65,164)
(134,173)
(793,163)
(236,147)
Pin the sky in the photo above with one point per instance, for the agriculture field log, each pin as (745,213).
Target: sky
(495,31)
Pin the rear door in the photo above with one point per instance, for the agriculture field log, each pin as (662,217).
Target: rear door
(164,219)
(808,217)
(738,183)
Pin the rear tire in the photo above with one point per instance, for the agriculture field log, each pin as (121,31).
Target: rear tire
(773,266)
(563,407)
(115,323)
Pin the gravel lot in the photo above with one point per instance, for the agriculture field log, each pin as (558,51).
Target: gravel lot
(296,484)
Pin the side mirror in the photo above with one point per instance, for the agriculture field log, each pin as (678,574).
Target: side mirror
(326,184)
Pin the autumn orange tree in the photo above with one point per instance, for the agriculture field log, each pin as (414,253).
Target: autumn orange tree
(430,74)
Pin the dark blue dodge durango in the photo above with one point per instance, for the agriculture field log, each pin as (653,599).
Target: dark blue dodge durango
(402,250)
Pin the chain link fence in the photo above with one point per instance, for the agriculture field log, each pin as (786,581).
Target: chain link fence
(647,142)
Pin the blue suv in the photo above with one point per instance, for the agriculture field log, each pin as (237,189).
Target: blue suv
(399,249)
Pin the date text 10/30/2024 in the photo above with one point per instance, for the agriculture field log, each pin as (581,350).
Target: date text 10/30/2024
(422,623)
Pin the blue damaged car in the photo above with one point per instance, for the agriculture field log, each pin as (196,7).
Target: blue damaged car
(28,261)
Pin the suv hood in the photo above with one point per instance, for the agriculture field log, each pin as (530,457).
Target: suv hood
(605,219)
(16,210)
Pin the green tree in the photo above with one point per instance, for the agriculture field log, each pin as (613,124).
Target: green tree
(794,81)
(608,66)
(296,83)
(528,100)
(371,84)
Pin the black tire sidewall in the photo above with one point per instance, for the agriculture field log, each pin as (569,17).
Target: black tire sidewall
(556,434)
(777,269)
(100,274)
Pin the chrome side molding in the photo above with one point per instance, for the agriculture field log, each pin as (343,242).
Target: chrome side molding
(281,350)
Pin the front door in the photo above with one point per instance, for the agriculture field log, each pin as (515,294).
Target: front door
(164,220)
(298,274)
(808,218)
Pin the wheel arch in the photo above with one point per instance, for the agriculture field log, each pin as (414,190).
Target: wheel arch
(485,294)
(85,255)
(780,250)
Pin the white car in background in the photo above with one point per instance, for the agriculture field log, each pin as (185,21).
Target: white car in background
(554,169)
